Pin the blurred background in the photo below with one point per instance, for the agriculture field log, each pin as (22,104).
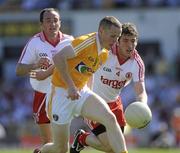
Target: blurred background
(158,23)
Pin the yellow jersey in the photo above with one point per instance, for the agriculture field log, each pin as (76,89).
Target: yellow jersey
(89,57)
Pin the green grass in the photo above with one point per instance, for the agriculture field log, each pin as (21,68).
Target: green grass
(144,150)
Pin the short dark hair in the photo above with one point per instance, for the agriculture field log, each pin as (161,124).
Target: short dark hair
(108,21)
(47,10)
(129,29)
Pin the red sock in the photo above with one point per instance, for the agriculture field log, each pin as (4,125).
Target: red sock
(82,138)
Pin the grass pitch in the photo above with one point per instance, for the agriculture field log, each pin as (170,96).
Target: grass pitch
(140,150)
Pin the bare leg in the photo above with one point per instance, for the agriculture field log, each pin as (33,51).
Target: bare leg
(95,108)
(45,133)
(97,142)
(60,142)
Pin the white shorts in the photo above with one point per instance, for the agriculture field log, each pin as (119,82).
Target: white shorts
(61,110)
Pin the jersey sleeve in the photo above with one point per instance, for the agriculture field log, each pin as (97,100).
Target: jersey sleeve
(70,37)
(64,43)
(139,70)
(29,55)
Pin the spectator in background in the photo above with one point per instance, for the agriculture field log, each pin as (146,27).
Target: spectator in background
(163,138)
(177,67)
(172,3)
(155,3)
(162,67)
(36,62)
(30,5)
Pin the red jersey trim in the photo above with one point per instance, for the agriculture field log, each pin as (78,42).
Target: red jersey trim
(141,67)
(59,38)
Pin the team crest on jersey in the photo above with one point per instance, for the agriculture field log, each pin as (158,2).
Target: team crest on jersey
(82,68)
(128,75)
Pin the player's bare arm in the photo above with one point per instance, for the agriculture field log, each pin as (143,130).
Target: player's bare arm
(140,91)
(60,61)
(42,74)
(24,69)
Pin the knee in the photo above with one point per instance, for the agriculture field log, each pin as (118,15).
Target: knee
(110,119)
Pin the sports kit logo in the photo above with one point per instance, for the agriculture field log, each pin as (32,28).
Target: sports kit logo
(43,54)
(129,75)
(107,69)
(82,68)
(55,117)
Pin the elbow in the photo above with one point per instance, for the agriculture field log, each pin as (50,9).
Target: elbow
(17,71)
(57,59)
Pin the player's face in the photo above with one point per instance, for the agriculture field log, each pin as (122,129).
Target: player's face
(127,44)
(109,36)
(51,23)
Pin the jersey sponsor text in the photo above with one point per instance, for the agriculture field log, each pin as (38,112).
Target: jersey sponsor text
(113,83)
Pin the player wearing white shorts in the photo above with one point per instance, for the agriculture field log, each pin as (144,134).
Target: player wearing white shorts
(36,62)
(124,65)
(74,65)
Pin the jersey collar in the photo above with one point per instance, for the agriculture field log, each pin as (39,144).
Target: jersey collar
(44,38)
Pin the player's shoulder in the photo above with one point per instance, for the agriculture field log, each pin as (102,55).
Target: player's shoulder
(66,36)
(136,56)
(86,36)
(85,40)
(36,38)
(137,59)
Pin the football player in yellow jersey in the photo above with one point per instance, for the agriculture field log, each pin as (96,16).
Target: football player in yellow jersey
(75,63)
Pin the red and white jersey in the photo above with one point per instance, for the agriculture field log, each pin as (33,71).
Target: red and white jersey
(38,47)
(112,77)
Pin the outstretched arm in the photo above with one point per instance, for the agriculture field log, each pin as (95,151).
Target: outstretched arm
(140,91)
